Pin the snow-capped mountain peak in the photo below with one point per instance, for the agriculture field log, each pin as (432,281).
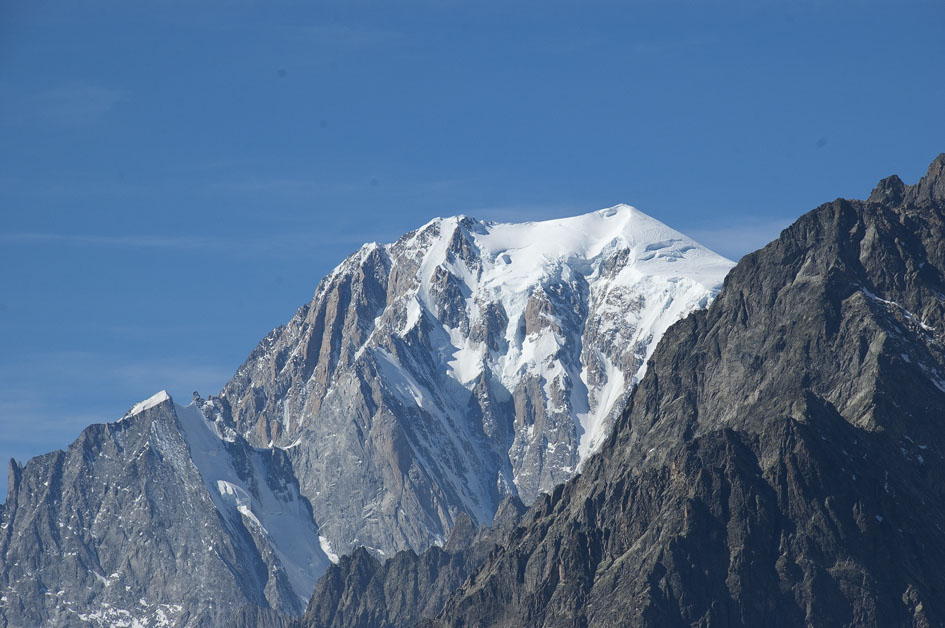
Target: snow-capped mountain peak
(511,264)
(427,380)
(465,361)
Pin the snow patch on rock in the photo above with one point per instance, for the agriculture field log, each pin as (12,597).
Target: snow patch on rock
(150,402)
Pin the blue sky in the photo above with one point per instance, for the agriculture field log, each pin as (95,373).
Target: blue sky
(175,177)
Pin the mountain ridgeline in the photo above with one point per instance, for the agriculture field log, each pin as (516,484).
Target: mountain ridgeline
(124,526)
(430,386)
(465,362)
(779,464)
(565,423)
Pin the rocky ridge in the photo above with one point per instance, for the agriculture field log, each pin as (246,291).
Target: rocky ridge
(363,592)
(465,362)
(429,382)
(157,519)
(769,467)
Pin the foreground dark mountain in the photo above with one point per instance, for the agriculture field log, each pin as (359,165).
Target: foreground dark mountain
(780,464)
(363,592)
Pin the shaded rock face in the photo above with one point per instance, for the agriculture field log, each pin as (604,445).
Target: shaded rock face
(123,529)
(363,592)
(780,463)
(465,362)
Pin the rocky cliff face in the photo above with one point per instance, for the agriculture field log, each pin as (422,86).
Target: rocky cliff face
(463,363)
(363,592)
(780,463)
(158,519)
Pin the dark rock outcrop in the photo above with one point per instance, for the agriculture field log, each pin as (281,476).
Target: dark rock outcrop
(780,464)
(769,467)
(363,592)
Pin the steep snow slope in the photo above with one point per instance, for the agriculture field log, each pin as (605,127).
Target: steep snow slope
(248,494)
(466,361)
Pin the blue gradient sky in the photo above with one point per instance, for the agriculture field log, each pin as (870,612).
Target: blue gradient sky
(175,177)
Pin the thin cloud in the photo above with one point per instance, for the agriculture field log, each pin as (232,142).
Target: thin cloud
(71,103)
(284,246)
(525,212)
(88,371)
(736,241)
(280,186)
(130,241)
(346,36)
(671,46)
(104,386)
(49,427)
(300,186)
(132,330)
(73,188)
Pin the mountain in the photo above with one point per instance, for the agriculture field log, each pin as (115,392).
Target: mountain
(158,519)
(429,381)
(465,362)
(779,464)
(365,592)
